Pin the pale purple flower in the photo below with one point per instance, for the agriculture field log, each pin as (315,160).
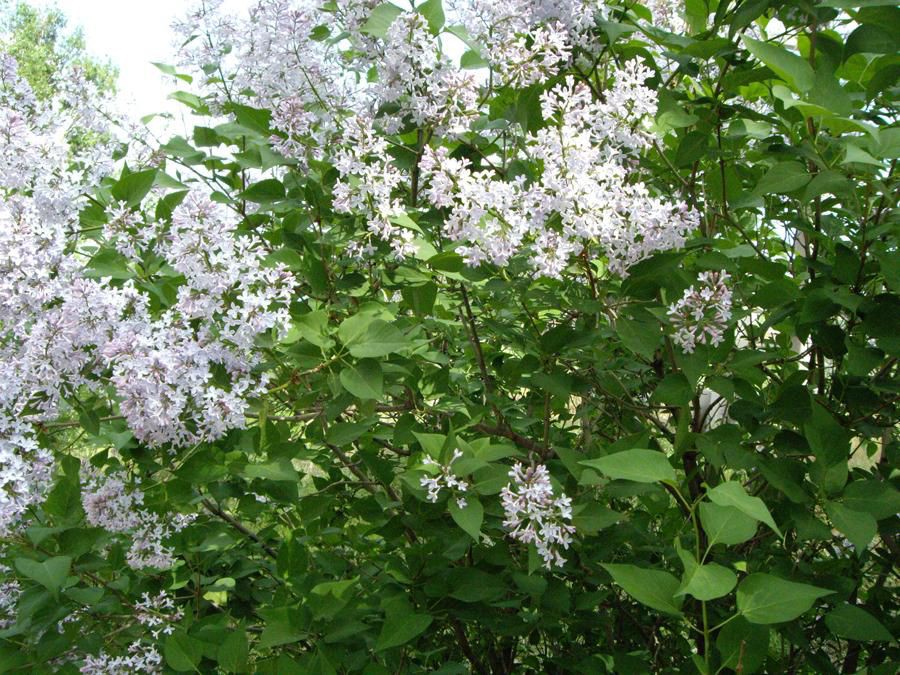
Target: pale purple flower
(702,314)
(535,516)
(445,479)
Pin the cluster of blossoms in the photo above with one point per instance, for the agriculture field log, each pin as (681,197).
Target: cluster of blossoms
(110,501)
(368,184)
(10,590)
(25,472)
(423,83)
(702,314)
(585,186)
(587,193)
(164,368)
(534,515)
(272,57)
(45,322)
(181,374)
(158,614)
(141,658)
(445,479)
(528,41)
(667,15)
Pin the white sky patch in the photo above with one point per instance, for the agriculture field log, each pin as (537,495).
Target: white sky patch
(133,34)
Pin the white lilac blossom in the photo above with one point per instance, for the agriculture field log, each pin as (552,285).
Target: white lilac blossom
(48,312)
(45,337)
(163,368)
(528,41)
(10,590)
(586,184)
(114,503)
(158,613)
(260,57)
(535,516)
(668,15)
(25,473)
(701,315)
(445,479)
(415,75)
(368,183)
(141,658)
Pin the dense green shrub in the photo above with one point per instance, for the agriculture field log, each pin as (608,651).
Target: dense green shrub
(324,340)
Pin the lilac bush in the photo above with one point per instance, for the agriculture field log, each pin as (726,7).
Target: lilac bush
(495,337)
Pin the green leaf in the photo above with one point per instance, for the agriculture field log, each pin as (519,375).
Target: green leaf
(379,339)
(763,598)
(170,70)
(192,101)
(469,518)
(182,652)
(782,178)
(264,192)
(854,623)
(401,627)
(744,643)
(380,19)
(704,582)
(733,494)
(420,298)
(642,336)
(878,498)
(433,11)
(344,433)
(639,465)
(108,263)
(674,390)
(364,380)
(726,524)
(312,327)
(133,187)
(50,573)
(653,588)
(708,582)
(234,652)
(858,526)
(790,67)
(277,469)
(282,627)
(593,517)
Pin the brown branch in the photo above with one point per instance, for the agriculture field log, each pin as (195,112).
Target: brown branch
(460,633)
(518,439)
(476,342)
(237,525)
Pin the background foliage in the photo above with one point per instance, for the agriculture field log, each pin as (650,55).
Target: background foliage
(735,507)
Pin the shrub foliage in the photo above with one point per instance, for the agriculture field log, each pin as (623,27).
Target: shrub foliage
(508,336)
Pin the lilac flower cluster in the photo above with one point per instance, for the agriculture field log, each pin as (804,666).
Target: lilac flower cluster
(141,658)
(10,590)
(702,314)
(110,501)
(534,515)
(445,479)
(368,183)
(527,41)
(158,614)
(163,367)
(416,76)
(180,375)
(588,195)
(25,472)
(586,182)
